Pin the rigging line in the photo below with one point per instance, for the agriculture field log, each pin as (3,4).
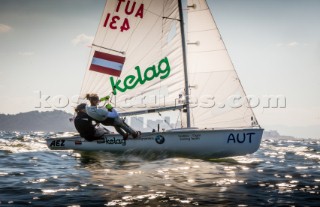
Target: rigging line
(171,18)
(155,13)
(198,10)
(206,30)
(192,116)
(165,121)
(170,6)
(179,114)
(206,51)
(216,71)
(121,52)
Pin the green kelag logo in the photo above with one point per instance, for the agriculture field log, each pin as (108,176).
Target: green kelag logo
(131,81)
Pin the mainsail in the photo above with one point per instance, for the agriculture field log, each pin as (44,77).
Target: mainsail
(137,57)
(147,34)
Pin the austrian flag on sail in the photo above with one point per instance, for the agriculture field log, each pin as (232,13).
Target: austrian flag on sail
(107,63)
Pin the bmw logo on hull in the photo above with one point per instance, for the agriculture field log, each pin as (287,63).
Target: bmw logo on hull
(159,139)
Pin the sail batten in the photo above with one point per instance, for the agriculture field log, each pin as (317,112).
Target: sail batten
(153,110)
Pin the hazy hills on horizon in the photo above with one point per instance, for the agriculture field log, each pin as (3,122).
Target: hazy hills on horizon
(48,121)
(54,121)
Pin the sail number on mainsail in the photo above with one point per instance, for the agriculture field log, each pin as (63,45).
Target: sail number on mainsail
(113,21)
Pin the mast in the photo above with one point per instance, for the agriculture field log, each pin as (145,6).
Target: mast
(185,65)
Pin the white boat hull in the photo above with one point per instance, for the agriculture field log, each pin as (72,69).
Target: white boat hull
(206,143)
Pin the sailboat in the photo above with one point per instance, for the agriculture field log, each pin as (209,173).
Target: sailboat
(167,56)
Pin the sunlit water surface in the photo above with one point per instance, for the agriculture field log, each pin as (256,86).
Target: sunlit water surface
(282,173)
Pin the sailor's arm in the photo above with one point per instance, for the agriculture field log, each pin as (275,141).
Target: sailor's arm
(113,114)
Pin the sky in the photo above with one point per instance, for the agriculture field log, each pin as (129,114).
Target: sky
(274,46)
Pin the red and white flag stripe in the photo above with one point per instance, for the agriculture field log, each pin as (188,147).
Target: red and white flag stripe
(107,63)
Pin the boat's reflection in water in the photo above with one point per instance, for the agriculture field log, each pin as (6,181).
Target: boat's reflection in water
(146,179)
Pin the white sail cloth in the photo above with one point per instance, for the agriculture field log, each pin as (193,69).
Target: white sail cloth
(216,92)
(145,37)
(147,34)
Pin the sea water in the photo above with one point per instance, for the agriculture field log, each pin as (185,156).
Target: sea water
(283,172)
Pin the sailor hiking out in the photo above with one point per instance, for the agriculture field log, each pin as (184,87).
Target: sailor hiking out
(85,125)
(108,116)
